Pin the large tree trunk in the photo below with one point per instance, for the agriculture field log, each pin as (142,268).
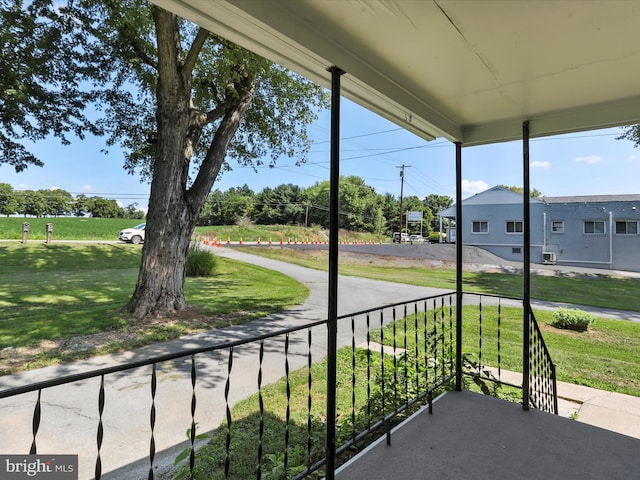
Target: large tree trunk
(174,208)
(170,223)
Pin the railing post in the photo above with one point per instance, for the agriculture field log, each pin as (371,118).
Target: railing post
(458,266)
(332,317)
(526,271)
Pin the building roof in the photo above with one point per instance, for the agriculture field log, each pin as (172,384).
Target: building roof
(593,199)
(470,71)
(494,196)
(501,196)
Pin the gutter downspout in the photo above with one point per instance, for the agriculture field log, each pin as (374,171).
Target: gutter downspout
(610,239)
(544,232)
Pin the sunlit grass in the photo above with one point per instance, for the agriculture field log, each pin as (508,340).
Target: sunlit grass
(55,292)
(601,291)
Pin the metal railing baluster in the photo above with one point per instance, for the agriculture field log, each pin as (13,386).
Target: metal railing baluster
(480,335)
(227,443)
(395,360)
(368,372)
(309,400)
(434,341)
(382,372)
(443,335)
(426,344)
(261,406)
(404,357)
(100,434)
(288,410)
(152,421)
(499,339)
(451,344)
(192,436)
(353,377)
(416,351)
(35,423)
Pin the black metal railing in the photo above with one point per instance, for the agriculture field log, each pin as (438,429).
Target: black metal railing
(393,360)
(500,319)
(543,389)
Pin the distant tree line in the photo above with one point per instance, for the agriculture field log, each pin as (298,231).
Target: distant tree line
(361,208)
(60,203)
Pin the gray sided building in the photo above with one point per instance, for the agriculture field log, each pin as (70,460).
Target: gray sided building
(594,231)
(591,231)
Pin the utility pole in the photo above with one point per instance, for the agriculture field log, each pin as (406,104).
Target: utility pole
(401,167)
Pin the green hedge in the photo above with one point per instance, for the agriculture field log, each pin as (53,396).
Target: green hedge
(572,319)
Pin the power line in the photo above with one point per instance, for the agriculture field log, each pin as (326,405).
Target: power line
(365,135)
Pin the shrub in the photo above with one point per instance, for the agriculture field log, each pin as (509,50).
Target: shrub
(200,263)
(572,319)
(434,237)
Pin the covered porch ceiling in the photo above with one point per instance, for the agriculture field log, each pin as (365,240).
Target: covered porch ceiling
(470,71)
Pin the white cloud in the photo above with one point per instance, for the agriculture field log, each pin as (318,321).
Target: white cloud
(471,187)
(589,160)
(634,158)
(86,188)
(540,164)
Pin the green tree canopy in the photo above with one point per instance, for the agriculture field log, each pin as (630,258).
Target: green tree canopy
(8,201)
(360,205)
(631,133)
(436,203)
(534,192)
(42,86)
(180,101)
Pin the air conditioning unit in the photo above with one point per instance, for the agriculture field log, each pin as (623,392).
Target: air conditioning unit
(549,258)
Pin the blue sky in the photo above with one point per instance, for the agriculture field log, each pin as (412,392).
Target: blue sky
(587,163)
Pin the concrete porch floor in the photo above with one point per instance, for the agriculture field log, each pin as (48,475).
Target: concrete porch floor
(476,437)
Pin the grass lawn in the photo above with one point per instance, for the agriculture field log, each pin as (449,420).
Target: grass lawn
(66,228)
(87,228)
(605,292)
(606,357)
(52,292)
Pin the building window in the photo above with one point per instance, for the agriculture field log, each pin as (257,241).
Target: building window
(557,226)
(516,250)
(627,228)
(594,227)
(514,226)
(480,226)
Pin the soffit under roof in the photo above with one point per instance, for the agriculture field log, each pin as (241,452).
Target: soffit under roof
(465,70)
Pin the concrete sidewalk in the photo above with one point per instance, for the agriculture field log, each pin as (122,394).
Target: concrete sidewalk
(612,411)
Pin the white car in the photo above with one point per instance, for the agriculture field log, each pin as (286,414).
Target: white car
(416,238)
(396,238)
(133,235)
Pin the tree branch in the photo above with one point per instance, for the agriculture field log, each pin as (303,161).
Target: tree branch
(132,40)
(194,51)
(218,112)
(216,152)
